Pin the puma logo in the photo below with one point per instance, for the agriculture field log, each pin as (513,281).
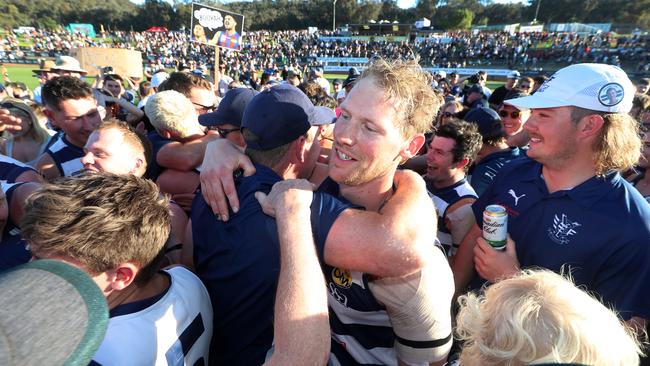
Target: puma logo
(514,195)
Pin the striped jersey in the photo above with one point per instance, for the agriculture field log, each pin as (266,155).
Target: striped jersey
(443,198)
(11,169)
(66,156)
(172,329)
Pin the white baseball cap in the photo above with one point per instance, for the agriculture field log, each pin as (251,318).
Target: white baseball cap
(597,87)
(158,78)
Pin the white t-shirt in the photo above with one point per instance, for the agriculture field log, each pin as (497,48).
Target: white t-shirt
(174,330)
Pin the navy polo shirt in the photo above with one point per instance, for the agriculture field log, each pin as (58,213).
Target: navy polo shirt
(599,230)
(239,263)
(484,172)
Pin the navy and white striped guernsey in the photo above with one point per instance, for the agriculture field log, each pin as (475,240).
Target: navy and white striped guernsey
(11,169)
(362,333)
(12,247)
(66,156)
(443,198)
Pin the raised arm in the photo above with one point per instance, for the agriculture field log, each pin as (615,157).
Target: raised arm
(302,335)
(400,236)
(184,156)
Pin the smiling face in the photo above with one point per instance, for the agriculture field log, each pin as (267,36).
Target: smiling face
(367,143)
(440,161)
(107,151)
(78,118)
(513,125)
(553,135)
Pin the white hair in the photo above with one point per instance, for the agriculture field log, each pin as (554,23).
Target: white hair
(541,317)
(172,111)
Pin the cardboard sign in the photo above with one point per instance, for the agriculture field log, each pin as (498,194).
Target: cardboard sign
(217,27)
(126,63)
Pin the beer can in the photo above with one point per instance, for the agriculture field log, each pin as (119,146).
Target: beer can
(495,226)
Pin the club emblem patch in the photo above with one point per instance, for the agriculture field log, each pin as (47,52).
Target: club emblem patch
(611,94)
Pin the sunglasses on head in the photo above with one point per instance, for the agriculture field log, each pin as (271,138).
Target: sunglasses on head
(513,114)
(9,105)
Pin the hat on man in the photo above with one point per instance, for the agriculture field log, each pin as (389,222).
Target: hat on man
(278,116)
(51,313)
(475,88)
(68,63)
(488,122)
(514,75)
(596,87)
(44,66)
(442,74)
(337,81)
(231,108)
(158,78)
(323,115)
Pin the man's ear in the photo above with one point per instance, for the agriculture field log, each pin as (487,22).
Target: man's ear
(462,163)
(50,116)
(412,147)
(591,125)
(138,164)
(165,133)
(122,276)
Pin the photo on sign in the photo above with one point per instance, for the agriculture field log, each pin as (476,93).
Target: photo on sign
(217,27)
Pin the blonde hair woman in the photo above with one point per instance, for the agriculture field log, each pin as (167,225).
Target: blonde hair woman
(30,141)
(540,317)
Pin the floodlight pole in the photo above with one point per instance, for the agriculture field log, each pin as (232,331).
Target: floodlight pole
(537,11)
(334,16)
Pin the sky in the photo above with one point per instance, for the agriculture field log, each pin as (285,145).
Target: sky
(401,3)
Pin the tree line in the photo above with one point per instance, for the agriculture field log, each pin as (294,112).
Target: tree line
(300,14)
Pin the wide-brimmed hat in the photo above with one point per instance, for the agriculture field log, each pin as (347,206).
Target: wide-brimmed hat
(44,66)
(68,63)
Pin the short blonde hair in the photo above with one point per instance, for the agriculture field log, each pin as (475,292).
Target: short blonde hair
(541,317)
(172,111)
(133,138)
(409,86)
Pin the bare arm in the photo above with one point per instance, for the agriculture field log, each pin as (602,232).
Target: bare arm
(400,237)
(222,158)
(301,327)
(462,264)
(47,167)
(18,199)
(184,156)
(179,222)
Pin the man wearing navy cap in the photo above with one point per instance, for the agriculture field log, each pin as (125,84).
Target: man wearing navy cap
(494,153)
(568,207)
(238,260)
(228,117)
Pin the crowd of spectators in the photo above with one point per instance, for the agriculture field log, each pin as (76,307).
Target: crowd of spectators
(453,49)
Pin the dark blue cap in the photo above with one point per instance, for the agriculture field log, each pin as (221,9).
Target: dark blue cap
(278,116)
(231,108)
(488,122)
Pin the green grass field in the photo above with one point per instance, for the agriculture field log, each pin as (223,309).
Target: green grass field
(23,73)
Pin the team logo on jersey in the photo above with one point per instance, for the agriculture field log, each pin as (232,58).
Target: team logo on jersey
(611,94)
(563,228)
(342,277)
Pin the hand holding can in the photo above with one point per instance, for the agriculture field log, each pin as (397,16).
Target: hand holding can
(495,226)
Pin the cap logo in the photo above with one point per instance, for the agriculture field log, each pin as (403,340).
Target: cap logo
(546,84)
(611,94)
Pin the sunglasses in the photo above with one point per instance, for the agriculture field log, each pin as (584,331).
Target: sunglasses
(223,132)
(524,86)
(448,114)
(205,107)
(513,115)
